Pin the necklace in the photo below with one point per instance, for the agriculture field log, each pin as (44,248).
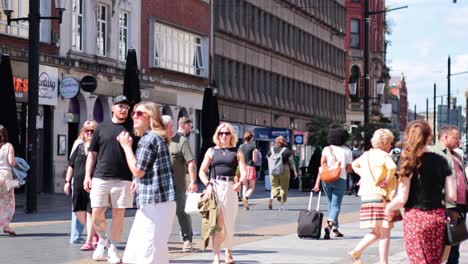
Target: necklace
(224,151)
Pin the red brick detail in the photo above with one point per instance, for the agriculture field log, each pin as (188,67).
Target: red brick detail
(21,43)
(189,15)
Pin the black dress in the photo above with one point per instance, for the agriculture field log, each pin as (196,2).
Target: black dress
(77,161)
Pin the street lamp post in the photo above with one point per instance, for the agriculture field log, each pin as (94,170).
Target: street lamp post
(33,19)
(367,14)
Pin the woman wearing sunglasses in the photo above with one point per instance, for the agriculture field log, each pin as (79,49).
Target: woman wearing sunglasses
(154,183)
(224,159)
(76,170)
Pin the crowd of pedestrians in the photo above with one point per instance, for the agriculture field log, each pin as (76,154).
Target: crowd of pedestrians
(112,161)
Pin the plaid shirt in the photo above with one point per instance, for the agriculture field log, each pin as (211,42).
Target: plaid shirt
(153,157)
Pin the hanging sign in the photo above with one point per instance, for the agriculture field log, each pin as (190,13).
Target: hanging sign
(48,85)
(69,88)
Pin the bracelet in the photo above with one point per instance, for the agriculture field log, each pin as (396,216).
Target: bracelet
(67,181)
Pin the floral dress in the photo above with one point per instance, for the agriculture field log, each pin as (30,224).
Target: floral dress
(7,197)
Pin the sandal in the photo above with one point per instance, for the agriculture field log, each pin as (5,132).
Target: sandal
(337,233)
(228,259)
(9,231)
(355,256)
(87,247)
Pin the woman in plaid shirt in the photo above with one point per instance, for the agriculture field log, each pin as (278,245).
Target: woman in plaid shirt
(154,184)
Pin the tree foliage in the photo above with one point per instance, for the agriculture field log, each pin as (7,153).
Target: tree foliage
(318,130)
(368,132)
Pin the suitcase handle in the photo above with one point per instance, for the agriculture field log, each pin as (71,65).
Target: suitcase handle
(318,201)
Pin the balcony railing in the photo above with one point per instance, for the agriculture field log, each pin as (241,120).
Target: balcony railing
(356,106)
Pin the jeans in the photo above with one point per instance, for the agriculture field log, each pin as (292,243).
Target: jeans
(185,221)
(334,192)
(76,227)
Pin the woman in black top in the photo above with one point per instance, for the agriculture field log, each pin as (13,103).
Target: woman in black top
(76,169)
(224,159)
(426,180)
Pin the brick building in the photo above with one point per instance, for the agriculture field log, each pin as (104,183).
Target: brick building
(354,43)
(279,63)
(398,88)
(14,42)
(175,62)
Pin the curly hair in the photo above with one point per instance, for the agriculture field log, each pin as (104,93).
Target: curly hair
(418,134)
(337,136)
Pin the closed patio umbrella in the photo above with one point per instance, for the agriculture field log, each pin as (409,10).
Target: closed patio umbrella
(8,116)
(131,86)
(210,119)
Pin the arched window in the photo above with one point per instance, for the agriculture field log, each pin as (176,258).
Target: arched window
(98,114)
(182,112)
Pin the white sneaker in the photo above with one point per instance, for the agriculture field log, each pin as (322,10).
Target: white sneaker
(187,247)
(112,256)
(101,247)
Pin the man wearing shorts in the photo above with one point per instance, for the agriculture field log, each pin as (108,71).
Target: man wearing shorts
(181,155)
(109,180)
(250,154)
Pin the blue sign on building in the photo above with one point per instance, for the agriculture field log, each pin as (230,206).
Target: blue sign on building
(269,134)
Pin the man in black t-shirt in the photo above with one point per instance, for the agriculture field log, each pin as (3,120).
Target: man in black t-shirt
(109,180)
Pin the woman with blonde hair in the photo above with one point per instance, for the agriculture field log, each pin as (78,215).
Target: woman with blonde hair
(224,159)
(154,184)
(280,183)
(81,202)
(425,181)
(377,186)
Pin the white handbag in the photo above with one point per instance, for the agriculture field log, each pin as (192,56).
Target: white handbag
(191,204)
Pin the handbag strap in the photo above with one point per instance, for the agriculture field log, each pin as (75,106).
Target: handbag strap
(370,168)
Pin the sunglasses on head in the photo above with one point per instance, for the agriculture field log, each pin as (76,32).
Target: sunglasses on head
(224,133)
(137,114)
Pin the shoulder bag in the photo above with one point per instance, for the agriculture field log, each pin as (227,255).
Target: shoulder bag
(395,215)
(456,230)
(328,175)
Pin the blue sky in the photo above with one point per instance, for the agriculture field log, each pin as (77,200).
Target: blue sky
(422,38)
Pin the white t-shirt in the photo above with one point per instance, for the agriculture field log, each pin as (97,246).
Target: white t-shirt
(342,154)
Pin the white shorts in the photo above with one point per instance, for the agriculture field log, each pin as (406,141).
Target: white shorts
(111,193)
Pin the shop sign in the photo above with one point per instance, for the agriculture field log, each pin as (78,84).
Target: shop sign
(298,139)
(88,84)
(21,88)
(276,132)
(69,88)
(48,85)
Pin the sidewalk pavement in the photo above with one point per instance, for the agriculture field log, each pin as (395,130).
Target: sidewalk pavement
(291,249)
(262,236)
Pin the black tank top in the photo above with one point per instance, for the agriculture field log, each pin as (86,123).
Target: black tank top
(224,161)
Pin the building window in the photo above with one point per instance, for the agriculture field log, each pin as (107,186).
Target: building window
(178,50)
(101,46)
(21,29)
(123,35)
(77,25)
(355,34)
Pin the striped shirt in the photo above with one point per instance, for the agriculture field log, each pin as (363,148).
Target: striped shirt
(153,157)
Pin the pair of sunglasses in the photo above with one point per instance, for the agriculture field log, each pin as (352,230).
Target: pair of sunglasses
(224,133)
(137,114)
(89,131)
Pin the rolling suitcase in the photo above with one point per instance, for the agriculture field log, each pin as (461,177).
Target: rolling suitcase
(309,223)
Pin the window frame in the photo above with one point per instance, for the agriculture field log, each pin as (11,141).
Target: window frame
(354,35)
(21,27)
(123,28)
(178,50)
(102,24)
(77,33)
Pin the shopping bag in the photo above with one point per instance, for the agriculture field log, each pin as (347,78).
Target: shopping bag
(191,204)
